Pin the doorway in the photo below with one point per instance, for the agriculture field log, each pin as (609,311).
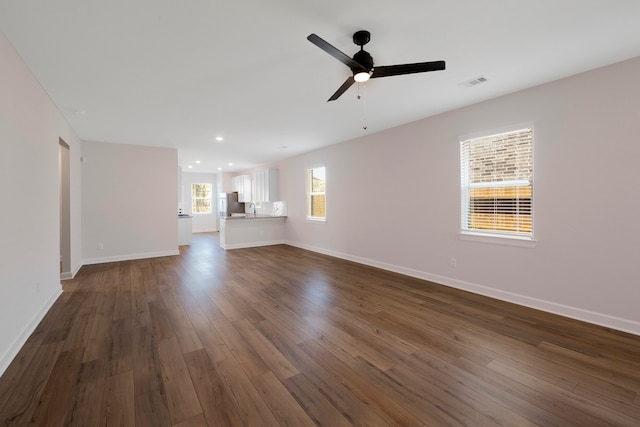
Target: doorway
(64,186)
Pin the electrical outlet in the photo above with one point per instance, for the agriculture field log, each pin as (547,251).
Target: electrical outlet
(100,246)
(453,262)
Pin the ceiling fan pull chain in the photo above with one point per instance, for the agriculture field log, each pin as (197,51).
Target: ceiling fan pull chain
(364,107)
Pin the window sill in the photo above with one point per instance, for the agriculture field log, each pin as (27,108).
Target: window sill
(523,242)
(316,220)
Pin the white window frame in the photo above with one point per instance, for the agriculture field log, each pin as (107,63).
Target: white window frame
(310,194)
(492,236)
(210,198)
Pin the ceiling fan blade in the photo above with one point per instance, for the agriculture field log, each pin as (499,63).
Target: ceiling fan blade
(346,85)
(331,50)
(396,70)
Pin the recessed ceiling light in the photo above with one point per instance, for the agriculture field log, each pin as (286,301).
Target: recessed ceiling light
(230,164)
(219,169)
(198,161)
(219,138)
(190,167)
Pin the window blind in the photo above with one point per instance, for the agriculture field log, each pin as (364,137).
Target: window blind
(316,197)
(497,183)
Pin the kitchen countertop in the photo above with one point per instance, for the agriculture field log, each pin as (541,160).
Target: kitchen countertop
(251,216)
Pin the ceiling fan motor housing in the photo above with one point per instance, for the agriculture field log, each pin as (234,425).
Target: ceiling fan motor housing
(363,58)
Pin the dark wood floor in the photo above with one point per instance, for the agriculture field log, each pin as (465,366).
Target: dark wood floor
(282,336)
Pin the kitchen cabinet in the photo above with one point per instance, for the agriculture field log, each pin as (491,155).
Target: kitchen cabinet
(242,184)
(179,187)
(184,230)
(265,185)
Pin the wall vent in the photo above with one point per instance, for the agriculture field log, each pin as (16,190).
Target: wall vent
(473,82)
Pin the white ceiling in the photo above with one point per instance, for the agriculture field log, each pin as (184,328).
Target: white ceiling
(179,73)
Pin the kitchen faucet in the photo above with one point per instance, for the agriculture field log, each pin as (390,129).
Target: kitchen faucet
(254,208)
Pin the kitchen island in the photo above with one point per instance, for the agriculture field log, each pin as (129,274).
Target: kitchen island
(251,231)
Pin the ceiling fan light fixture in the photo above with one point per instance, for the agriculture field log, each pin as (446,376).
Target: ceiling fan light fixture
(361,76)
(361,64)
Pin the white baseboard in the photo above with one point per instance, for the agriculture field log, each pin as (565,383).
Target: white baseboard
(129,257)
(204,230)
(72,274)
(253,244)
(75,270)
(600,319)
(13,350)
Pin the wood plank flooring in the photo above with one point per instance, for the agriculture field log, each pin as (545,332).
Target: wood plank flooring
(279,336)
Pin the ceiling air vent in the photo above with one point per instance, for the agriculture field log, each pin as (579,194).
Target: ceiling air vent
(473,82)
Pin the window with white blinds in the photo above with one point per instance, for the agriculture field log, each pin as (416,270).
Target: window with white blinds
(316,194)
(497,184)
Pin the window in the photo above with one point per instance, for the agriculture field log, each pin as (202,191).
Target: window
(316,197)
(497,184)
(201,198)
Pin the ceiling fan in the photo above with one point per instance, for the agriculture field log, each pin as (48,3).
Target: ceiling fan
(362,63)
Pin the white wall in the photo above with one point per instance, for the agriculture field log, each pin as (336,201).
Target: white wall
(200,222)
(129,195)
(224,181)
(30,129)
(393,199)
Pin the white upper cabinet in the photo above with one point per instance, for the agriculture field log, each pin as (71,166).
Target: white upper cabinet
(265,185)
(179,187)
(242,184)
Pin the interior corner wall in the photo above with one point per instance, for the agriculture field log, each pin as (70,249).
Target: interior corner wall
(31,127)
(200,222)
(129,208)
(393,199)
